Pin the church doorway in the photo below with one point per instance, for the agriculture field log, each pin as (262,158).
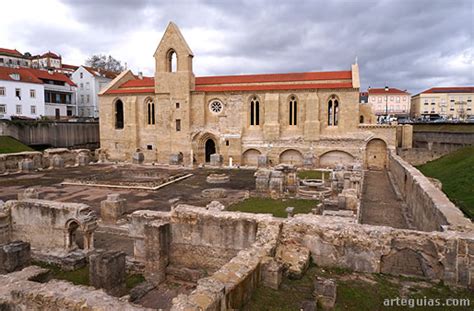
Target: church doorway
(210,149)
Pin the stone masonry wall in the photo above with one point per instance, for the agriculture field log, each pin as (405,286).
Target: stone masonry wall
(428,206)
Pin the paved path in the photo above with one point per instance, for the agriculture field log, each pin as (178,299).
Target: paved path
(379,204)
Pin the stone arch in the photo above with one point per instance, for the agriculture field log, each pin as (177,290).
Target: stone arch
(376,154)
(255,111)
(333,110)
(150,110)
(291,156)
(250,157)
(118,113)
(172,61)
(80,234)
(199,146)
(74,235)
(334,157)
(292,110)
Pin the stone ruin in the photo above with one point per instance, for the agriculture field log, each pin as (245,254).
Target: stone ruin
(217,178)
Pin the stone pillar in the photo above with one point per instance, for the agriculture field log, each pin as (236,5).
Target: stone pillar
(262,160)
(26,165)
(325,292)
(157,240)
(107,270)
(14,256)
(272,273)
(112,208)
(82,159)
(277,182)
(216,159)
(57,161)
(262,180)
(308,160)
(138,157)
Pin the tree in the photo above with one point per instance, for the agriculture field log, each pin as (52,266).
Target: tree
(100,61)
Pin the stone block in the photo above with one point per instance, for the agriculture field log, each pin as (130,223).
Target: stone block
(308,160)
(73,261)
(272,273)
(27,165)
(107,270)
(141,290)
(308,305)
(262,160)
(82,159)
(216,159)
(138,157)
(14,256)
(57,161)
(176,159)
(214,193)
(296,259)
(112,208)
(157,241)
(29,193)
(262,180)
(215,206)
(325,292)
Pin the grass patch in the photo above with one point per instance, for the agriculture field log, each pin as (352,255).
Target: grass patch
(11,145)
(455,171)
(354,291)
(272,206)
(133,280)
(313,175)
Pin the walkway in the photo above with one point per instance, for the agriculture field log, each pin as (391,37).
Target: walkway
(379,204)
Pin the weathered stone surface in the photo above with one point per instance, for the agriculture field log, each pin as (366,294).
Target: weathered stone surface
(325,292)
(308,305)
(141,290)
(217,178)
(272,273)
(176,159)
(216,159)
(157,248)
(215,206)
(112,208)
(138,157)
(82,159)
(14,256)
(29,193)
(262,160)
(295,258)
(214,193)
(57,161)
(107,271)
(27,165)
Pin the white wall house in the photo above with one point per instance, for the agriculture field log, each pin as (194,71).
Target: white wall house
(89,82)
(20,95)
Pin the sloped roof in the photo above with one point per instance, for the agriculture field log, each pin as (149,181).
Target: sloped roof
(101,73)
(14,52)
(24,73)
(450,89)
(66,66)
(391,90)
(47,75)
(51,55)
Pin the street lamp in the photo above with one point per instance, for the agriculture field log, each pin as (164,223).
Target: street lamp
(386,104)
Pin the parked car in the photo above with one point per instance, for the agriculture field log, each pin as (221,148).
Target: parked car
(470,119)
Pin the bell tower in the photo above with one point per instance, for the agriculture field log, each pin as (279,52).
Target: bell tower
(173,64)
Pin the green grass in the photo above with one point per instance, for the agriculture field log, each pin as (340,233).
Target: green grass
(313,174)
(271,206)
(456,173)
(81,276)
(354,291)
(11,145)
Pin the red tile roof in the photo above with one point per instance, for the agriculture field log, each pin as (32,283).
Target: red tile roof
(25,75)
(451,89)
(55,76)
(145,82)
(101,73)
(11,52)
(391,90)
(66,66)
(50,55)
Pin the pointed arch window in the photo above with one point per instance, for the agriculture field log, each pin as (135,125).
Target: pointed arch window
(293,111)
(172,61)
(119,114)
(150,106)
(254,111)
(333,111)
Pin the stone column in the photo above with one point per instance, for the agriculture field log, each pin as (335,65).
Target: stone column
(157,240)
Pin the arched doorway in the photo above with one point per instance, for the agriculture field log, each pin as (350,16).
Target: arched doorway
(210,148)
(376,154)
(291,156)
(335,157)
(75,237)
(250,157)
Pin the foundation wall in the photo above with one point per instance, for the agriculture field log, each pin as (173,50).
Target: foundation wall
(428,206)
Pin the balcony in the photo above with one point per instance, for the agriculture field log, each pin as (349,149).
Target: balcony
(59,88)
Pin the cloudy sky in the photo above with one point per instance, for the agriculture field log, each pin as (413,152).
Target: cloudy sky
(409,44)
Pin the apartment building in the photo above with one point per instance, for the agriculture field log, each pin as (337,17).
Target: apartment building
(448,102)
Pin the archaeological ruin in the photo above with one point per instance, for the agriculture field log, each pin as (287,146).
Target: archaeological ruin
(233,200)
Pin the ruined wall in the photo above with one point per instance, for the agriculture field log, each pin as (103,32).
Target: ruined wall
(5,228)
(447,256)
(428,206)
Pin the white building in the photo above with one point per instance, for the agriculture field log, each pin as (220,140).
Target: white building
(21,94)
(89,82)
(389,101)
(13,58)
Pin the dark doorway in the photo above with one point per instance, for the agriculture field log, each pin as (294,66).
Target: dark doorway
(210,149)
(57,114)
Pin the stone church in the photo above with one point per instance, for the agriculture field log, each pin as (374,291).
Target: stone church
(309,118)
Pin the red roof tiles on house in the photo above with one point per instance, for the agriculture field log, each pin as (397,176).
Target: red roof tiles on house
(452,89)
(24,73)
(145,82)
(11,52)
(101,72)
(54,76)
(391,90)
(66,66)
(51,55)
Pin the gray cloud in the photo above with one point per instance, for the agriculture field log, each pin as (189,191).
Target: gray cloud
(404,43)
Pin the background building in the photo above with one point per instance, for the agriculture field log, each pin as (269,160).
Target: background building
(89,82)
(448,102)
(13,58)
(21,93)
(393,102)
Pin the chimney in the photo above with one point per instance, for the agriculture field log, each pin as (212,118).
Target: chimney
(140,75)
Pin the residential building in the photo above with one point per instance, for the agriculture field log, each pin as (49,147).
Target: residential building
(21,94)
(389,101)
(89,82)
(48,60)
(13,58)
(306,118)
(448,102)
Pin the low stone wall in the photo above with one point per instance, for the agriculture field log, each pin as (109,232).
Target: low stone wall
(5,228)
(420,156)
(19,291)
(50,158)
(446,256)
(428,206)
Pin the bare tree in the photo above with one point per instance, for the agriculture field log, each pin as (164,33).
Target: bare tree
(99,61)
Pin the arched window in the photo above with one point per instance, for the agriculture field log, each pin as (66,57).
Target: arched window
(150,105)
(254,111)
(333,111)
(172,61)
(119,114)
(293,111)
(361,119)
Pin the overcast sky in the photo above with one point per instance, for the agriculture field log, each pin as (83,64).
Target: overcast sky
(408,44)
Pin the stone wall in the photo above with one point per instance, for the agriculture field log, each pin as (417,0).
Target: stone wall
(50,158)
(53,133)
(446,256)
(428,206)
(5,228)
(49,225)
